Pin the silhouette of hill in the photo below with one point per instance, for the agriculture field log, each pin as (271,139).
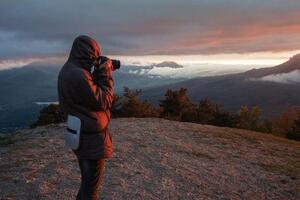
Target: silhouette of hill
(21,87)
(292,64)
(155,159)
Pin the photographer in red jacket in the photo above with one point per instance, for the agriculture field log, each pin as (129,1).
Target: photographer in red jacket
(88,95)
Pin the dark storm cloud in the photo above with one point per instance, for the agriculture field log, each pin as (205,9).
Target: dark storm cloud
(31,28)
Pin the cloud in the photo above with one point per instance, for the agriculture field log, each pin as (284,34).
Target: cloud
(16,63)
(133,27)
(186,71)
(291,77)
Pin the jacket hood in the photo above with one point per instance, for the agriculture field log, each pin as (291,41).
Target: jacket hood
(85,50)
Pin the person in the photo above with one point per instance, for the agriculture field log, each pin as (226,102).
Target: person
(88,95)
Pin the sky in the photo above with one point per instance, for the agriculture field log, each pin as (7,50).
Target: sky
(205,29)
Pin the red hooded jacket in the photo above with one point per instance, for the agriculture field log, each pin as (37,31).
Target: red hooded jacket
(87,96)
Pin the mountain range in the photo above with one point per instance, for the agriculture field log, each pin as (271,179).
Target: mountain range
(24,89)
(272,89)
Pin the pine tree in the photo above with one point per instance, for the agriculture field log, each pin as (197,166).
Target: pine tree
(132,106)
(249,118)
(50,114)
(294,133)
(175,103)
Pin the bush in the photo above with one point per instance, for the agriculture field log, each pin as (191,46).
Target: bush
(208,112)
(265,126)
(284,122)
(223,118)
(205,111)
(49,115)
(175,104)
(190,115)
(132,106)
(294,132)
(249,118)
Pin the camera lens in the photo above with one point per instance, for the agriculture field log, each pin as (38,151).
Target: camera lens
(116,64)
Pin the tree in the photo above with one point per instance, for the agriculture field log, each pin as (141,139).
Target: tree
(207,112)
(284,122)
(249,118)
(265,126)
(222,118)
(133,107)
(294,132)
(49,115)
(175,103)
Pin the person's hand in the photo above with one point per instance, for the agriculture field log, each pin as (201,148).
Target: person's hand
(105,68)
(107,64)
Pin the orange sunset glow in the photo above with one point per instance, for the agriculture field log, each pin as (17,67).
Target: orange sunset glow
(201,28)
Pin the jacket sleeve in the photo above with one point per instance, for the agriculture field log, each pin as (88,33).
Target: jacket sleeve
(97,90)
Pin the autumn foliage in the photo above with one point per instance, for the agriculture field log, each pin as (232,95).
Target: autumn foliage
(177,105)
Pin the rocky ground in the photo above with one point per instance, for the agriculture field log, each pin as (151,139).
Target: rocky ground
(155,159)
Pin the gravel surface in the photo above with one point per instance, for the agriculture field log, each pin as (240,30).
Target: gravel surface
(155,159)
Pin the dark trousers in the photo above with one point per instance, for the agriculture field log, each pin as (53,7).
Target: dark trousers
(91,178)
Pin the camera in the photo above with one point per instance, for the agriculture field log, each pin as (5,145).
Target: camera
(115,63)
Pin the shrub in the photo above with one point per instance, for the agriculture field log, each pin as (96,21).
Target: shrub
(48,115)
(294,132)
(208,112)
(175,104)
(265,126)
(205,111)
(223,118)
(249,118)
(284,122)
(132,106)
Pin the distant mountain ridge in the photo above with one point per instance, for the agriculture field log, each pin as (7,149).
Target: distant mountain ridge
(292,64)
(20,88)
(235,90)
(170,64)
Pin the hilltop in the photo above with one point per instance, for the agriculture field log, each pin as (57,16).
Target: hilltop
(155,159)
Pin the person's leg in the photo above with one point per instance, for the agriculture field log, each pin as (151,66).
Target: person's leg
(91,179)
